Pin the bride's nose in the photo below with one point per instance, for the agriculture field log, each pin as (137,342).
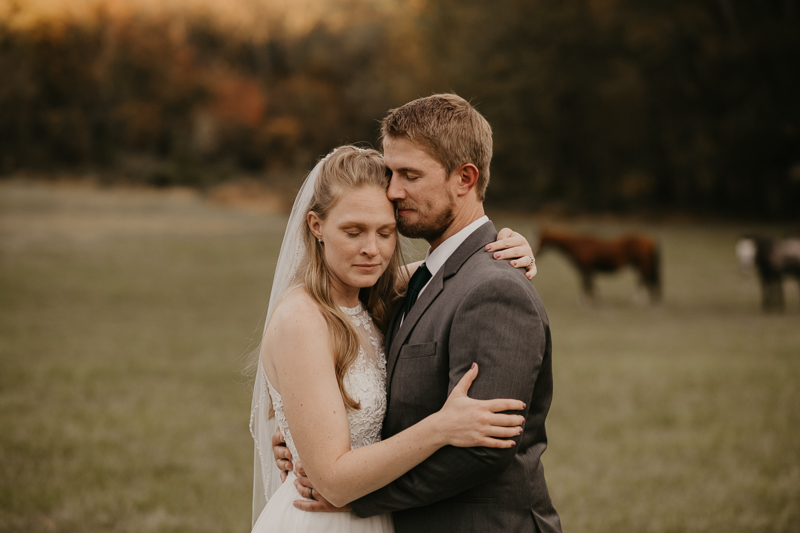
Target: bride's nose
(370,246)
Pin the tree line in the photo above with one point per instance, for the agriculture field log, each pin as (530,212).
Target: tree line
(614,106)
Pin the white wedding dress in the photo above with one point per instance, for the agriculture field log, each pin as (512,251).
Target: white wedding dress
(365,381)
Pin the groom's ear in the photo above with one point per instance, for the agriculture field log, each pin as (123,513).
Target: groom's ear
(467,175)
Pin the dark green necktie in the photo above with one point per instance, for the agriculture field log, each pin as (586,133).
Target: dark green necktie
(418,280)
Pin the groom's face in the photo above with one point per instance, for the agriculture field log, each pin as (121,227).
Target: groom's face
(419,188)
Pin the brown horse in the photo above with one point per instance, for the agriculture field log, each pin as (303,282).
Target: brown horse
(591,254)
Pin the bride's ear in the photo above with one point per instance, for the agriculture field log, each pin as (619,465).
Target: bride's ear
(314,224)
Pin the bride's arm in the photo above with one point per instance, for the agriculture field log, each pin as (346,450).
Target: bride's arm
(509,245)
(314,409)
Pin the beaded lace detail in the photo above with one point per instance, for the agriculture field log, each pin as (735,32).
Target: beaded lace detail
(365,381)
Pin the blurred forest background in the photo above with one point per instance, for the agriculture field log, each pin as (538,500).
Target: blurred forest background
(126,312)
(684,106)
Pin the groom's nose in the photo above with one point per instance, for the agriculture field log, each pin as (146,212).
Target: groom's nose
(395,192)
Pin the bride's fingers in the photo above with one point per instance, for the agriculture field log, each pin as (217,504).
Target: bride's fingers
(462,387)
(531,270)
(515,252)
(504,244)
(499,405)
(504,233)
(504,432)
(505,239)
(528,263)
(491,442)
(502,420)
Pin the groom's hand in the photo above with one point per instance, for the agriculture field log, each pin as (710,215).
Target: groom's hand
(283,457)
(318,504)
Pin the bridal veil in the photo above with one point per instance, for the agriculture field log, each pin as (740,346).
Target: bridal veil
(266,476)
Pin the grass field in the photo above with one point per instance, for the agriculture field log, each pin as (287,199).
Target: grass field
(125,316)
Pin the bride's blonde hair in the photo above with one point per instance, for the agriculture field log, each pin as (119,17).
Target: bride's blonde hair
(344,170)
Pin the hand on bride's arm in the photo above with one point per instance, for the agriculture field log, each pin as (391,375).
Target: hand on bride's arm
(283,457)
(512,245)
(466,422)
(462,422)
(317,503)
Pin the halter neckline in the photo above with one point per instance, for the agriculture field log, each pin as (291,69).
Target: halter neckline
(352,310)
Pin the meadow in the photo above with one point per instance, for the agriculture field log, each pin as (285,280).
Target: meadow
(126,317)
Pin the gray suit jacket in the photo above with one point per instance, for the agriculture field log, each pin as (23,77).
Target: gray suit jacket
(475,309)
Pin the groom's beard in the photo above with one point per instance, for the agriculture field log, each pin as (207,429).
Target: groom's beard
(430,230)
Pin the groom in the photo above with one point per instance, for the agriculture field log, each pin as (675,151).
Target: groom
(462,307)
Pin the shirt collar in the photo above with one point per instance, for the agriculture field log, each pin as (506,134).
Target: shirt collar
(436,259)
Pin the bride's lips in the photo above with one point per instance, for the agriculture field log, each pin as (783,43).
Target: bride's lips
(368,267)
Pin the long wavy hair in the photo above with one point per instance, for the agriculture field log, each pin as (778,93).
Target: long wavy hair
(346,169)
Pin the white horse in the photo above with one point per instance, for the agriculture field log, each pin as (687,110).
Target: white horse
(774,260)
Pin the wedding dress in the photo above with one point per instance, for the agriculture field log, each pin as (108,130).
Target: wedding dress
(365,381)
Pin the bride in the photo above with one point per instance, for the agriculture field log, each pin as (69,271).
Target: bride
(321,366)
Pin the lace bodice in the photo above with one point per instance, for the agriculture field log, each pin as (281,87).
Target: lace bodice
(365,381)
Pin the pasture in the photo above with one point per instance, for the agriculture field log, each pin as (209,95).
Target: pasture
(125,318)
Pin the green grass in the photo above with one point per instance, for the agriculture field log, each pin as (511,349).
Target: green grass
(124,318)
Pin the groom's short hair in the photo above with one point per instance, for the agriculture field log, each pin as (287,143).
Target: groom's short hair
(449,129)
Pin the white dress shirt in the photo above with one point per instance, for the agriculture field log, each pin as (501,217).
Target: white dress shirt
(436,259)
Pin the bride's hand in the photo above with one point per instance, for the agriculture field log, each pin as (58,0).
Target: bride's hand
(512,245)
(467,422)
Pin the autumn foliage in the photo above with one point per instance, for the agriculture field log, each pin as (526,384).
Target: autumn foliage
(604,105)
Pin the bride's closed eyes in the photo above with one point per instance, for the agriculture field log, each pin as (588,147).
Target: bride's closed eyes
(385,232)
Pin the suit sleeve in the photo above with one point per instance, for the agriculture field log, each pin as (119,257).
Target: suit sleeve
(499,327)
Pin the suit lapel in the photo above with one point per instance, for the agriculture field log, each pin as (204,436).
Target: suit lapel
(475,242)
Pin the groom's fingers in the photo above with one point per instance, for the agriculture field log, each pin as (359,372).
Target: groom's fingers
(302,483)
(283,457)
(277,438)
(283,461)
(319,506)
(281,452)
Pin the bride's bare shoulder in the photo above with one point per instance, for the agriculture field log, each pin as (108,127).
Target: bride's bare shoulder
(297,312)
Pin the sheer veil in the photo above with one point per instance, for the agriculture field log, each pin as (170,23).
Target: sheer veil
(266,477)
